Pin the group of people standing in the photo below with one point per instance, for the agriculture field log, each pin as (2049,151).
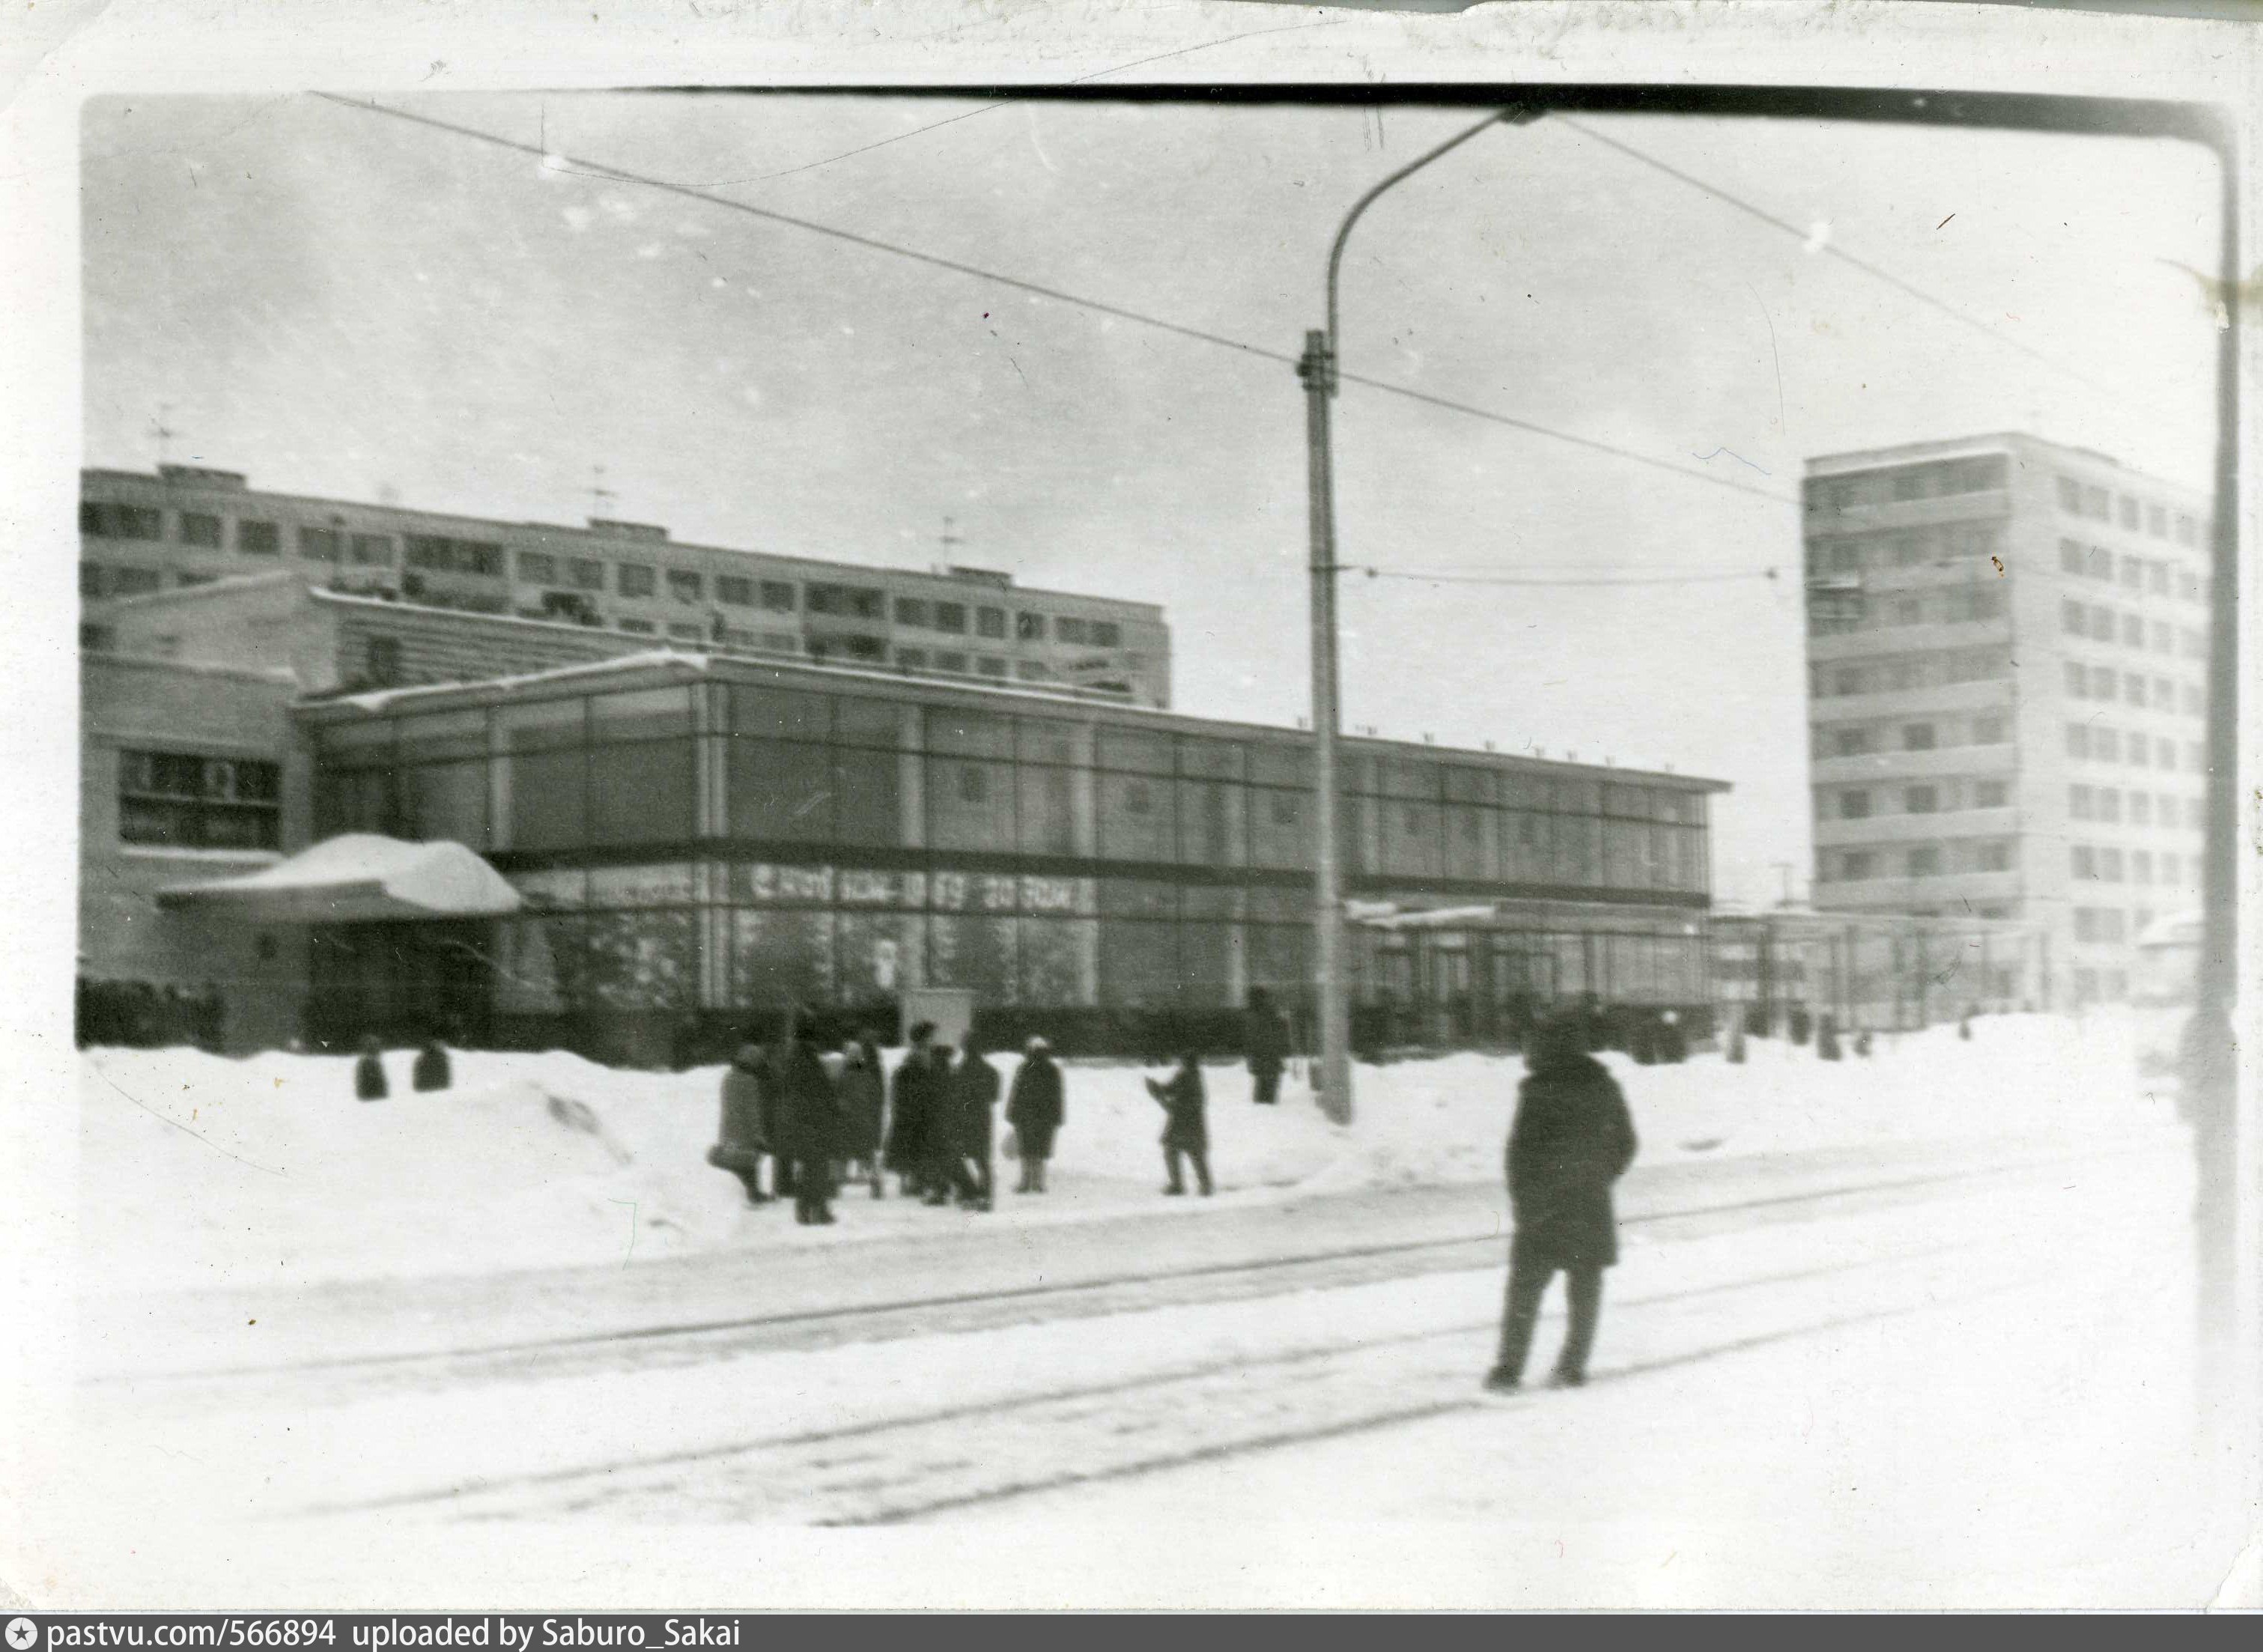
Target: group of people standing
(820,1119)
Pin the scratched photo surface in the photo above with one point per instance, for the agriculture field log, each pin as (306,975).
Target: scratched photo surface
(703,907)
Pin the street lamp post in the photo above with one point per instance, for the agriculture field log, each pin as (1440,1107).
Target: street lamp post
(1316,367)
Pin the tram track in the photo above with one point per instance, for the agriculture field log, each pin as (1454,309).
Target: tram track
(707,1338)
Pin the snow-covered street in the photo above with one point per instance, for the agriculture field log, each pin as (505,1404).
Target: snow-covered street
(1912,1331)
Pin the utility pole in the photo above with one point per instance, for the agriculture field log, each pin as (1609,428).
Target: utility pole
(1316,367)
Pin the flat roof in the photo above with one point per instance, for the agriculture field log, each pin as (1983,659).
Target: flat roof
(975,695)
(1993,441)
(617,541)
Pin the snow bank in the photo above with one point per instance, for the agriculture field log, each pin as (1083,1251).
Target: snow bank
(198,1170)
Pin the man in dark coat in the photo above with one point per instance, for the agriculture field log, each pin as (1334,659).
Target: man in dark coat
(1186,1131)
(909,1110)
(1573,1139)
(1034,1108)
(808,1121)
(738,1140)
(1268,1041)
(864,1107)
(974,1097)
(944,1134)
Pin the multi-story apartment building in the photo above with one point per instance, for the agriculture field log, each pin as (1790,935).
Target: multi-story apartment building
(2006,682)
(185,525)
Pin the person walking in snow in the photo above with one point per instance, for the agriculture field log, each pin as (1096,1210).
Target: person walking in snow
(809,1123)
(863,1105)
(430,1071)
(943,1134)
(740,1143)
(369,1072)
(974,1099)
(1186,1132)
(1034,1108)
(1267,1040)
(1572,1139)
(910,1105)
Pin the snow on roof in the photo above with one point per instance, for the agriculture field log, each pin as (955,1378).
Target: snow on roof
(381,698)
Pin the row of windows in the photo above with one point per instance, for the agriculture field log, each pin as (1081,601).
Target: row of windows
(2145,809)
(1950,544)
(2102,682)
(1897,673)
(2096,622)
(2106,864)
(1921,860)
(1932,479)
(2083,499)
(2106,924)
(1858,611)
(2099,744)
(2137,574)
(638,581)
(1859,740)
(1927,797)
(182,801)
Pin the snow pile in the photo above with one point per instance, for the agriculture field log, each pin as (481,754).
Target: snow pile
(198,1170)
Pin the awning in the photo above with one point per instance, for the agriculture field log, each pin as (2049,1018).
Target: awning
(359,878)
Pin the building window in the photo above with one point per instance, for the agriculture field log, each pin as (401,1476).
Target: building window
(948,660)
(2109,866)
(135,582)
(1851,743)
(2141,867)
(587,573)
(1854,804)
(988,666)
(2156,521)
(198,528)
(1917,736)
(638,627)
(826,599)
(736,589)
(2083,861)
(2133,574)
(1920,800)
(178,800)
(2109,805)
(1857,865)
(910,611)
(2070,496)
(2077,740)
(634,579)
(123,521)
(911,659)
(1925,862)
(89,580)
(538,567)
(2141,808)
(990,622)
(951,617)
(778,596)
(1995,855)
(974,787)
(1991,793)
(318,545)
(2101,625)
(1030,628)
(1032,670)
(2187,585)
(2097,501)
(2078,679)
(1067,629)
(2072,618)
(258,539)
(2133,689)
(862,647)
(1848,679)
(2157,578)
(2079,805)
(685,585)
(1988,731)
(2188,531)
(2085,929)
(374,550)
(685,631)
(2128,508)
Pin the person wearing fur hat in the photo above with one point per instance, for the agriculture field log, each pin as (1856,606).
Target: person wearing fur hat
(1034,1108)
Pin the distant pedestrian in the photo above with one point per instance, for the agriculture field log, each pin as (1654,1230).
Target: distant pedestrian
(369,1072)
(809,1123)
(430,1070)
(946,1177)
(1800,1023)
(1186,1131)
(1572,1139)
(975,1101)
(910,1099)
(1267,1040)
(1035,1109)
(1862,1044)
(864,1106)
(1826,1039)
(1673,1042)
(739,1142)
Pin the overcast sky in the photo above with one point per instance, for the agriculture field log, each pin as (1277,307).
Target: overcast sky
(340,303)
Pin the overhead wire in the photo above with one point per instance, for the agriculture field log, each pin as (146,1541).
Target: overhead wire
(598,169)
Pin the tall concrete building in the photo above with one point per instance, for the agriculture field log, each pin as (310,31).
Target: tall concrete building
(2007,696)
(140,533)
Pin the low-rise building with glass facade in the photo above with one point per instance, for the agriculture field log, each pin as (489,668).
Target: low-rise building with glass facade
(705,840)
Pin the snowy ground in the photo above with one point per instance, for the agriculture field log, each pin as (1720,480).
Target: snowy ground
(266,1171)
(1910,1332)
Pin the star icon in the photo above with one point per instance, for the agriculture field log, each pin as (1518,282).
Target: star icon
(23,1634)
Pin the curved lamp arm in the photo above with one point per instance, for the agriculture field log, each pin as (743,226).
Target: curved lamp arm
(1515,115)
